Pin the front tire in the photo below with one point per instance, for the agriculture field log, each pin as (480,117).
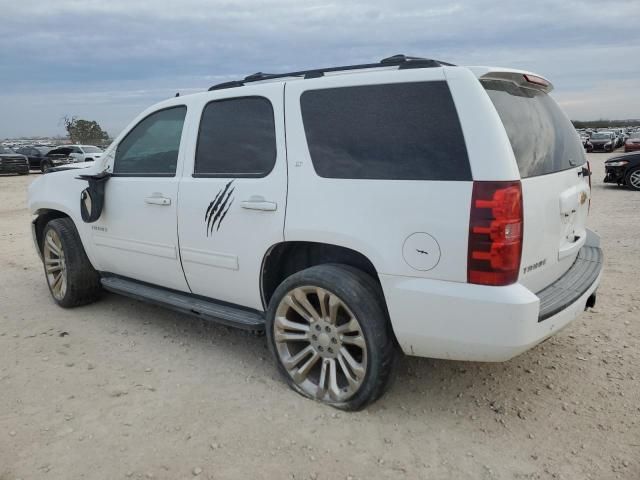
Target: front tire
(71,278)
(633,179)
(45,166)
(328,330)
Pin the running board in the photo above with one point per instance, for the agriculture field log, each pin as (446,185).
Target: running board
(187,303)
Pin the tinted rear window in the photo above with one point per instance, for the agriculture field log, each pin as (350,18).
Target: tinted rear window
(401,131)
(542,137)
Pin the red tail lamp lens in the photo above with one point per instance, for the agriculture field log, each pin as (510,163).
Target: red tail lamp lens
(495,233)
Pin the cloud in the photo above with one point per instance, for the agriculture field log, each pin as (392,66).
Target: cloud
(72,56)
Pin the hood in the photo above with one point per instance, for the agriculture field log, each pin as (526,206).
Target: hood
(631,156)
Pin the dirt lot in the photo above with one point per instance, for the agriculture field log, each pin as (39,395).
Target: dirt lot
(120,389)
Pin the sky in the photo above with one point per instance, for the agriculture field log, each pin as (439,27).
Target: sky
(107,60)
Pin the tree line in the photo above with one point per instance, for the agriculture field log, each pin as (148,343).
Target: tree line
(605,123)
(85,132)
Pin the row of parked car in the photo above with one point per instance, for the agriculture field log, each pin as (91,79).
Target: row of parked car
(608,140)
(26,158)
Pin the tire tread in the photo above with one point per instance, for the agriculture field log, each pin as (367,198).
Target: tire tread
(83,281)
(363,288)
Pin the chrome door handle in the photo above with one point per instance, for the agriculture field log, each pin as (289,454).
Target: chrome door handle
(257,202)
(157,200)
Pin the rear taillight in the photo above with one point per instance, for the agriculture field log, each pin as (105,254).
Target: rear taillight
(495,233)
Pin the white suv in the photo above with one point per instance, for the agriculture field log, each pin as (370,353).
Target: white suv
(85,153)
(346,211)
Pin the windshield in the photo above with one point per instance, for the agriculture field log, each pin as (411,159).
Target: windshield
(91,150)
(5,150)
(600,136)
(541,136)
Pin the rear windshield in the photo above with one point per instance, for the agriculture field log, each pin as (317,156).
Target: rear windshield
(400,131)
(542,137)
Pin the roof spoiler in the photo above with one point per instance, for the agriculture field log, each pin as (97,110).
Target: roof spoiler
(521,78)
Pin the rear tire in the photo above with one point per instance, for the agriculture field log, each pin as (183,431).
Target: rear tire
(45,166)
(71,278)
(336,315)
(633,179)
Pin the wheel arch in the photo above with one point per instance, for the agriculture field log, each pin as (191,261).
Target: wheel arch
(44,216)
(627,177)
(286,258)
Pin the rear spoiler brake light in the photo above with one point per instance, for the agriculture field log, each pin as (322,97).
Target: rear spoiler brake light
(536,80)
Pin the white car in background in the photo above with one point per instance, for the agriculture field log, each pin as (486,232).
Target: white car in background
(85,153)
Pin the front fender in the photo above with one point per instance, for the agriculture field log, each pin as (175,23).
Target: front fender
(60,192)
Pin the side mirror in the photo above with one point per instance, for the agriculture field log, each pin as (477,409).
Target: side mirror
(92,197)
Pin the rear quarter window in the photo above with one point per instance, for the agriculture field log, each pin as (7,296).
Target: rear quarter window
(400,131)
(541,136)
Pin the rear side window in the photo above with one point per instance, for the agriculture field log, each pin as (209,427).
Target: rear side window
(236,139)
(542,137)
(399,131)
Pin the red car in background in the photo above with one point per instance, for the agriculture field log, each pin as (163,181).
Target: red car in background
(632,144)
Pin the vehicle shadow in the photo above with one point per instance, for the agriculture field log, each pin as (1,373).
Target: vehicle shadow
(419,385)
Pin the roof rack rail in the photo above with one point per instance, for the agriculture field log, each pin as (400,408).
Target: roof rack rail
(401,61)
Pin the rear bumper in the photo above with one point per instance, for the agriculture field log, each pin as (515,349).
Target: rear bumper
(461,321)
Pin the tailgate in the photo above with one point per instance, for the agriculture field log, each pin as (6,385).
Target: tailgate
(555,212)
(554,175)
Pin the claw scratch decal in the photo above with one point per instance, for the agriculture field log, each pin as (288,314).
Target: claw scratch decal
(218,208)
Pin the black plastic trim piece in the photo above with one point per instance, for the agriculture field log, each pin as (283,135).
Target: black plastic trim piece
(573,284)
(194,305)
(229,175)
(124,175)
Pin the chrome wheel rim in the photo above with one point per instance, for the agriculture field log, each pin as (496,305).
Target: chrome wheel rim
(634,179)
(54,265)
(320,343)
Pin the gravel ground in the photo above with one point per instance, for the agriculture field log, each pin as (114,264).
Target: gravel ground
(120,389)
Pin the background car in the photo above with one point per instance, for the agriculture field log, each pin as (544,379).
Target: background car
(586,142)
(623,170)
(603,141)
(85,153)
(33,154)
(632,144)
(57,157)
(12,162)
